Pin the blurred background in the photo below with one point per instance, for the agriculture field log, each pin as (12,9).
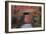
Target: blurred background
(17,15)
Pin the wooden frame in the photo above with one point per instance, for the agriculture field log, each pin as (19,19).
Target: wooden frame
(7,16)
